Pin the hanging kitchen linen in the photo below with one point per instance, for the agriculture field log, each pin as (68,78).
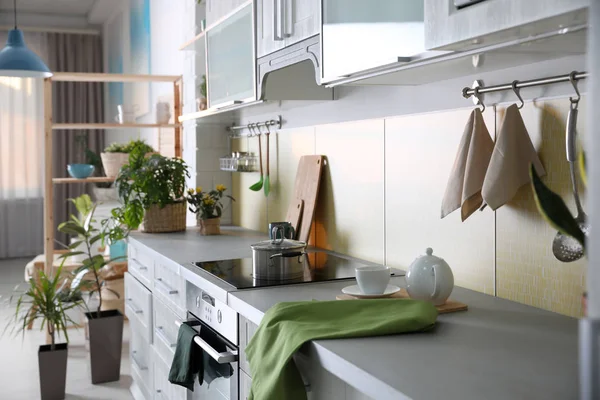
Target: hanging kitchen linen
(509,166)
(466,179)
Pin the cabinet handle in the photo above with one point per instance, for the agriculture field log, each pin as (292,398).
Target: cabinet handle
(160,393)
(136,362)
(288,24)
(163,287)
(160,332)
(278,16)
(139,265)
(135,310)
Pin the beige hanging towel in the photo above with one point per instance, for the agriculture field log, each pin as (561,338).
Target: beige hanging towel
(509,167)
(466,179)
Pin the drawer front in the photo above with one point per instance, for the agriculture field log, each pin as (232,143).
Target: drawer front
(163,389)
(169,286)
(165,331)
(138,307)
(247,330)
(140,356)
(141,264)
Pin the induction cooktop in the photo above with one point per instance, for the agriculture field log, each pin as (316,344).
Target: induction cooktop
(318,267)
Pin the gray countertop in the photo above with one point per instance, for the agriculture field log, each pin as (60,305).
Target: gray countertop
(498,349)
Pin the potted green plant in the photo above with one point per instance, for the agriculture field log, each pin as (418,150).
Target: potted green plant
(50,299)
(117,154)
(105,327)
(115,231)
(152,190)
(208,207)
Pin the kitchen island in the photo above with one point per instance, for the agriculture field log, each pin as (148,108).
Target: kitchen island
(498,349)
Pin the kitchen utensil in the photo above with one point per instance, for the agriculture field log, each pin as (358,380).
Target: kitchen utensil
(448,307)
(258,185)
(287,230)
(430,278)
(306,188)
(373,279)
(278,259)
(294,215)
(267,185)
(566,248)
(355,291)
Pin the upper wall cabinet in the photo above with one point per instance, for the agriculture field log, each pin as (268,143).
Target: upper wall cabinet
(218,9)
(281,23)
(231,60)
(357,35)
(469,24)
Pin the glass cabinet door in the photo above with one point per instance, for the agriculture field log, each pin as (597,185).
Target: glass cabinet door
(231,60)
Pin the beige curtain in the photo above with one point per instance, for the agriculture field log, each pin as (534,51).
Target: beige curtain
(74,102)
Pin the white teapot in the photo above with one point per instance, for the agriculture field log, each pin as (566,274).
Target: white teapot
(430,278)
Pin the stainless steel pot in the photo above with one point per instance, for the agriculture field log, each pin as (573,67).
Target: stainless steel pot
(278,259)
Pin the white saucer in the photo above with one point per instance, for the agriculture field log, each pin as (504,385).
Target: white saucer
(354,291)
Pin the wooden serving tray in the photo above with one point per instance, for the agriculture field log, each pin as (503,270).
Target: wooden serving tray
(449,307)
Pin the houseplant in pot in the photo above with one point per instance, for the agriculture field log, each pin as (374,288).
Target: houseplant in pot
(208,207)
(44,300)
(152,192)
(116,230)
(117,154)
(105,327)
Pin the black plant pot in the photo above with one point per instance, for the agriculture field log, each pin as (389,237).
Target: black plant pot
(53,371)
(106,340)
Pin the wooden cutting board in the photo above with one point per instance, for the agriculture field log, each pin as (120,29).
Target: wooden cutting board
(450,306)
(306,188)
(294,215)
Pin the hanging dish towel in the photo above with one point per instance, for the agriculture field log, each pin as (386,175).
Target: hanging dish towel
(287,326)
(466,179)
(509,166)
(187,362)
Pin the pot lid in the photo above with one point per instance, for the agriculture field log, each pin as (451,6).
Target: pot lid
(278,244)
(428,259)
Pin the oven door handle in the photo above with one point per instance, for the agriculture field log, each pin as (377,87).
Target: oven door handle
(222,358)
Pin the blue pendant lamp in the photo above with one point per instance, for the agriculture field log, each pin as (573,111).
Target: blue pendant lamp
(17,60)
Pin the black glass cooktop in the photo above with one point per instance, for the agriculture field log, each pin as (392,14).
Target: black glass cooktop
(318,267)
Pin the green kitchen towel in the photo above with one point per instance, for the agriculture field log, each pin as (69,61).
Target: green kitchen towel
(187,362)
(287,326)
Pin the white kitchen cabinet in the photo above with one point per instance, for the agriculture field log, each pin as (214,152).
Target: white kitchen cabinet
(495,21)
(267,35)
(138,307)
(357,36)
(231,61)
(245,385)
(163,389)
(140,354)
(218,9)
(247,329)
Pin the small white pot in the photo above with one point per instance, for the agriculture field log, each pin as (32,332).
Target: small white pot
(430,278)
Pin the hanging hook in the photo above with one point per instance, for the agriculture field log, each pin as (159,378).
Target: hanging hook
(478,97)
(518,93)
(573,81)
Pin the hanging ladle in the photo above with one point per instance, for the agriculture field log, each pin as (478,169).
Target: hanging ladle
(258,185)
(566,248)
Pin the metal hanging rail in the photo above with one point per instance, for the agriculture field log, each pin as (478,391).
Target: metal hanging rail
(273,122)
(478,90)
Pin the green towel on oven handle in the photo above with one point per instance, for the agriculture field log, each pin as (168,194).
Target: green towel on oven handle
(287,326)
(187,362)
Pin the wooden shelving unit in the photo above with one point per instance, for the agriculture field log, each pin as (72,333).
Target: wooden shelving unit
(49,126)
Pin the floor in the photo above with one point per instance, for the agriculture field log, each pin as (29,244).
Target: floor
(19,367)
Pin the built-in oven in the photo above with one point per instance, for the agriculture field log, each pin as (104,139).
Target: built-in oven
(217,327)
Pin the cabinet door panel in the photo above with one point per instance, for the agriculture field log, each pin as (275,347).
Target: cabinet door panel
(302,19)
(217,9)
(245,385)
(265,31)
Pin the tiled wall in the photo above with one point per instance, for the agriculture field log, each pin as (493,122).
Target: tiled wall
(382,190)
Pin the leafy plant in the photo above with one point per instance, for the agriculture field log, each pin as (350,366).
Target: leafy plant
(147,181)
(48,298)
(554,210)
(129,147)
(82,227)
(207,204)
(115,228)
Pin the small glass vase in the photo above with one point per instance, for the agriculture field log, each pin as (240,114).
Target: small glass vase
(211,226)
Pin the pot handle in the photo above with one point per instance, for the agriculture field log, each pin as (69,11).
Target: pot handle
(437,286)
(287,255)
(274,231)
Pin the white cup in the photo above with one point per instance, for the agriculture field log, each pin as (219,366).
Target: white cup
(163,113)
(125,118)
(373,279)
(125,109)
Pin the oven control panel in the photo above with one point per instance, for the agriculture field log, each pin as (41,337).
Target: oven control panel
(213,312)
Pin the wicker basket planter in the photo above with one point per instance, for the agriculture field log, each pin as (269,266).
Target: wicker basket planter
(170,218)
(112,162)
(210,226)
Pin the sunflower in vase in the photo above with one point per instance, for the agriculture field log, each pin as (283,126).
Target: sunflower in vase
(208,207)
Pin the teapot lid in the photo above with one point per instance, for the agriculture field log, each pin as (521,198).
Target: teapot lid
(428,259)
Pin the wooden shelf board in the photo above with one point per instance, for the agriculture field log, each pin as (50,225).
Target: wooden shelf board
(110,126)
(105,77)
(190,44)
(93,179)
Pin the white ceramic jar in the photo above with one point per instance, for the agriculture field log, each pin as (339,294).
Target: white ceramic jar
(430,278)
